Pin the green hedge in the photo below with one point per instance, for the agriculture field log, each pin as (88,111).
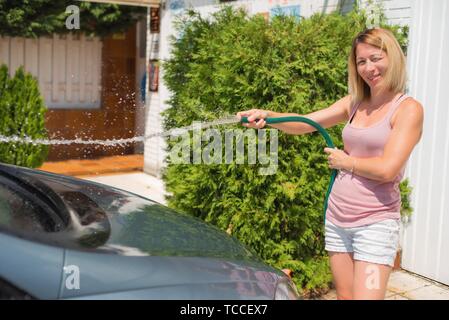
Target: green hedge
(233,62)
(31,19)
(22,113)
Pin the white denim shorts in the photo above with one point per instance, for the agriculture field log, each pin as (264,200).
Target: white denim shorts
(374,243)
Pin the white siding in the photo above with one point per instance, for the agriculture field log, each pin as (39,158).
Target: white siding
(67,67)
(153,148)
(154,153)
(396,11)
(425,237)
(140,71)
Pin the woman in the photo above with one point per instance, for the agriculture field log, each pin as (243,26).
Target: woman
(383,125)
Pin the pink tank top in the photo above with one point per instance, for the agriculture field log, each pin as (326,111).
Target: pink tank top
(356,201)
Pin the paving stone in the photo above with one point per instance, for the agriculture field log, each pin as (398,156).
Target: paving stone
(401,281)
(390,293)
(431,292)
(396,297)
(331,295)
(403,285)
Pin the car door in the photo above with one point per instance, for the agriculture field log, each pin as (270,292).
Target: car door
(34,268)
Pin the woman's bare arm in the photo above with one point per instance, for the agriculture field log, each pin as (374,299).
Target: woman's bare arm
(405,134)
(328,117)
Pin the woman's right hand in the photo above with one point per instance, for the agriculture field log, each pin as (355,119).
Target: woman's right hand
(252,115)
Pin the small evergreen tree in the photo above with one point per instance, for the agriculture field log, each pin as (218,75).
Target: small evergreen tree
(22,114)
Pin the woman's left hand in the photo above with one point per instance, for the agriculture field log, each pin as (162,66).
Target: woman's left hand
(338,159)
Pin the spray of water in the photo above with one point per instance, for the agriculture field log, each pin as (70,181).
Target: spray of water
(120,142)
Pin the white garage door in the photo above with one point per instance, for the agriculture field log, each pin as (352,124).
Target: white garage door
(68,67)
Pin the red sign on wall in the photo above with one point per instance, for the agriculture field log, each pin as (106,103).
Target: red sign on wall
(154,20)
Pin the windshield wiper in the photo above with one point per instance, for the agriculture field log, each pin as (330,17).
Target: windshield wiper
(38,193)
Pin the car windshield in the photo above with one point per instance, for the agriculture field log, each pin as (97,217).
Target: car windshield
(104,218)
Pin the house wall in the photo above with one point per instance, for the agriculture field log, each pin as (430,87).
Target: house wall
(397,11)
(427,233)
(139,124)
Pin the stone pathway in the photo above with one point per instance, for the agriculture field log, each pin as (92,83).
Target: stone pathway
(404,285)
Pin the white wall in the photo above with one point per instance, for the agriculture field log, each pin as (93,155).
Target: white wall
(426,237)
(157,48)
(140,71)
(396,11)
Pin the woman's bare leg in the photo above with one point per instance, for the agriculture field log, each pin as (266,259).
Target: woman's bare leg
(342,266)
(370,280)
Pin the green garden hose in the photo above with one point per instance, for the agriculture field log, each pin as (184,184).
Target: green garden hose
(321,130)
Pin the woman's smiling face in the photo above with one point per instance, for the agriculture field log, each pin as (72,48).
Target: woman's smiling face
(372,64)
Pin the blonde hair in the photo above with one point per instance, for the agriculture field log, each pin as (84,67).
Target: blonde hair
(395,77)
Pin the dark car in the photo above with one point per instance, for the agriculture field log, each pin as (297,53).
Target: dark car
(66,238)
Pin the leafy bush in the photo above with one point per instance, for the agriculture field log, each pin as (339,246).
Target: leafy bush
(44,17)
(22,114)
(406,208)
(233,62)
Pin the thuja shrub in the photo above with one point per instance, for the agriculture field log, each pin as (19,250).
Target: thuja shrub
(32,19)
(231,62)
(22,114)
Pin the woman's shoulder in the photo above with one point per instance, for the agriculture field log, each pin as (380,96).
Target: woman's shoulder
(350,104)
(409,109)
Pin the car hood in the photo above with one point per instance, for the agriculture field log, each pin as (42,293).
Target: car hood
(167,278)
